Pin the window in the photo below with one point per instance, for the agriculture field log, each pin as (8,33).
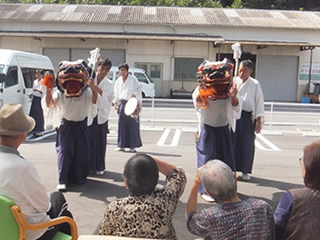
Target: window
(12,76)
(29,75)
(110,75)
(185,69)
(143,66)
(1,68)
(141,77)
(155,70)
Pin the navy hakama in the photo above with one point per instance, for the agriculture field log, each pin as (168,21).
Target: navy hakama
(215,143)
(98,135)
(244,138)
(37,113)
(73,150)
(128,129)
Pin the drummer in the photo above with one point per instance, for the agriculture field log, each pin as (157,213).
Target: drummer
(126,87)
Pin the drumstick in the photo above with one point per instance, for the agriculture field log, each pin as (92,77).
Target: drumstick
(94,55)
(236,55)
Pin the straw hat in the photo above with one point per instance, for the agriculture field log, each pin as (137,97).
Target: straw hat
(13,121)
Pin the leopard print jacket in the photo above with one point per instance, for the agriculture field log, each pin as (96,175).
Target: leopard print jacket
(146,216)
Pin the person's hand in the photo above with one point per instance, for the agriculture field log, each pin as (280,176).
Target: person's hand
(197,179)
(233,90)
(116,107)
(37,90)
(91,83)
(258,127)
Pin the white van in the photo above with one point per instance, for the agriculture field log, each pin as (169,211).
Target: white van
(17,73)
(147,86)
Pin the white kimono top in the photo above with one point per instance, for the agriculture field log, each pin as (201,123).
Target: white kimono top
(104,101)
(37,85)
(72,109)
(219,112)
(123,91)
(252,96)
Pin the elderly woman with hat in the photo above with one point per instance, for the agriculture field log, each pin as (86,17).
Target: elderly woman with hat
(19,179)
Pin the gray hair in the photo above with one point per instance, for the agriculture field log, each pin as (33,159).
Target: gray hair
(247,63)
(218,180)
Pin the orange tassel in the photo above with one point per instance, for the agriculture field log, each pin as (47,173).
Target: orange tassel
(48,81)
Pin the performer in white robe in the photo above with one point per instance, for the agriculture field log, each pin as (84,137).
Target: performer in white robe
(250,121)
(215,140)
(127,86)
(75,114)
(38,91)
(99,128)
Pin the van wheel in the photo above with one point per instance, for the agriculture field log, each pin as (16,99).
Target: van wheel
(143,95)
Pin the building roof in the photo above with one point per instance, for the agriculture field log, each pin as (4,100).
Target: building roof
(160,15)
(18,14)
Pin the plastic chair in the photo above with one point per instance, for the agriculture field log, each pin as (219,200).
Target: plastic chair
(14,226)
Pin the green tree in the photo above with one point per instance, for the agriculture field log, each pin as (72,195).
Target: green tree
(237,4)
(252,4)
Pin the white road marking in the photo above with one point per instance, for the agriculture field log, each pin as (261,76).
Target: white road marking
(164,137)
(267,142)
(45,135)
(175,139)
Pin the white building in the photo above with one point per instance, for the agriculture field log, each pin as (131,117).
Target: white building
(170,42)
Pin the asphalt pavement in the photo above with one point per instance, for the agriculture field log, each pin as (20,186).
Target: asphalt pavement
(276,168)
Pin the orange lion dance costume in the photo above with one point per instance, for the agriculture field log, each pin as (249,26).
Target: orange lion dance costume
(215,81)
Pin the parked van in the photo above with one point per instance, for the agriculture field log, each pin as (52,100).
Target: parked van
(17,73)
(147,86)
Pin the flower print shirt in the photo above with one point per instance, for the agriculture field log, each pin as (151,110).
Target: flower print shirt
(146,216)
(247,219)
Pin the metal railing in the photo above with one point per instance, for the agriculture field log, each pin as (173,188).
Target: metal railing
(182,111)
(268,106)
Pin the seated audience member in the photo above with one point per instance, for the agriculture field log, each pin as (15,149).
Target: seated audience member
(297,215)
(147,212)
(232,218)
(19,179)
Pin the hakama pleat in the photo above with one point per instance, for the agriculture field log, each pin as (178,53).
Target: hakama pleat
(244,146)
(128,129)
(215,143)
(73,149)
(37,114)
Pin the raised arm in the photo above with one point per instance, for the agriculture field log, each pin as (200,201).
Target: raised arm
(193,197)
(95,90)
(164,167)
(48,97)
(233,93)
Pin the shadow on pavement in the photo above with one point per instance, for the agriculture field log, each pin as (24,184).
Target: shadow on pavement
(105,188)
(275,184)
(160,154)
(282,186)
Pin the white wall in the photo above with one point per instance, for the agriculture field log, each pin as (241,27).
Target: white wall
(161,51)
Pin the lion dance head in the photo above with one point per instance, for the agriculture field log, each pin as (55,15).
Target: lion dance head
(72,77)
(215,81)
